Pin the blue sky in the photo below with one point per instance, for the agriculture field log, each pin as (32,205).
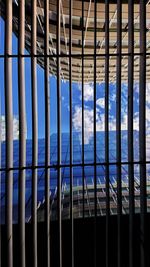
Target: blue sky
(88,99)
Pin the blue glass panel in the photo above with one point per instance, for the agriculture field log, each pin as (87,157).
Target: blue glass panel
(77,158)
(101,155)
(77,176)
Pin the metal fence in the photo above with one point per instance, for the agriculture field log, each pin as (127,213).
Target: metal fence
(53,61)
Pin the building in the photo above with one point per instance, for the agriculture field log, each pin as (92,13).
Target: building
(88,41)
(83,25)
(78,178)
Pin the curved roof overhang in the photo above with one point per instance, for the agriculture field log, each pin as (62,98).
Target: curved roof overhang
(86,40)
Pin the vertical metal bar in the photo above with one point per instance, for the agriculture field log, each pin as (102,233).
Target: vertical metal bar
(142,133)
(83,102)
(47,131)
(59,134)
(22,132)
(95,168)
(130,125)
(107,126)
(71,140)
(95,61)
(9,132)
(34,132)
(118,127)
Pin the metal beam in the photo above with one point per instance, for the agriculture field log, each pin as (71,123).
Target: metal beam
(34,132)
(142,128)
(130,127)
(107,128)
(59,182)
(118,128)
(47,131)
(94,130)
(9,132)
(83,185)
(71,137)
(22,132)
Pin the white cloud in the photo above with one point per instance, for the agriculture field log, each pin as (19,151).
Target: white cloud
(88,122)
(112,97)
(15,128)
(148,93)
(136,114)
(100,122)
(100,117)
(101,102)
(88,92)
(136,87)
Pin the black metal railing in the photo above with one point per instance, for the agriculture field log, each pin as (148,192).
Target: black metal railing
(58,56)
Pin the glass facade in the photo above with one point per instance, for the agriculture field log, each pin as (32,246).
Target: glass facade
(79,196)
(74,65)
